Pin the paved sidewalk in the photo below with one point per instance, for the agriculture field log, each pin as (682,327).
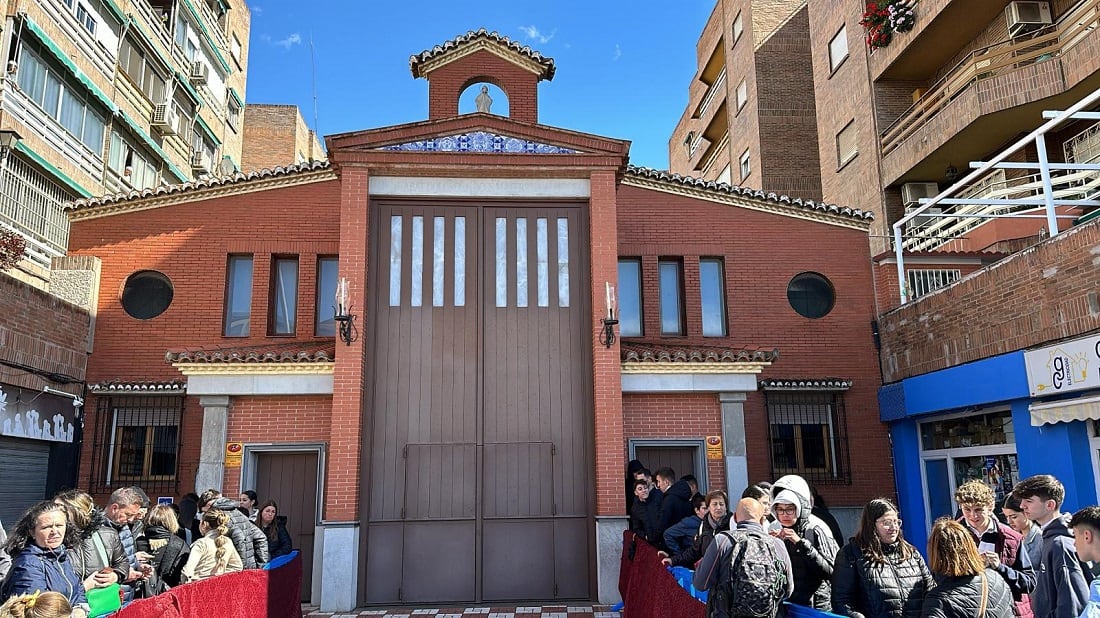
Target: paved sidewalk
(548,611)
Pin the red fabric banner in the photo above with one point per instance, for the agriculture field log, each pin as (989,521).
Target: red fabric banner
(647,588)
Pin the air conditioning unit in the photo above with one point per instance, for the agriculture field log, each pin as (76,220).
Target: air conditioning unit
(164,119)
(1024,16)
(199,162)
(200,71)
(923,220)
(913,192)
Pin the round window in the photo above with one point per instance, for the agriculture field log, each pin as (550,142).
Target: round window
(811,295)
(147,294)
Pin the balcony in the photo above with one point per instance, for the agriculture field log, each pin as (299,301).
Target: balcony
(987,97)
(716,90)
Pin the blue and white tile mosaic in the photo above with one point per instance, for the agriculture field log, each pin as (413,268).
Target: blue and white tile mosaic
(480,141)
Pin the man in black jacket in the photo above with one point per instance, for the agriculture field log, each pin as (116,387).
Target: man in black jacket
(646,512)
(675,501)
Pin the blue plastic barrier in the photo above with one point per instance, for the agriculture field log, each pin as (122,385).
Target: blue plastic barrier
(683,577)
(801,611)
(280,561)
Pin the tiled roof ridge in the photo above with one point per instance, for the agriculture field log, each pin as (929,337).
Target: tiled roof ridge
(806,383)
(546,62)
(207,182)
(729,189)
(126,386)
(647,352)
(291,352)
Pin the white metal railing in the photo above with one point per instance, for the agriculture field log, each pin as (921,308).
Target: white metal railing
(1083,147)
(925,280)
(712,92)
(1046,198)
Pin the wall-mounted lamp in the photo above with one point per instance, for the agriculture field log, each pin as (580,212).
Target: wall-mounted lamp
(607,333)
(8,140)
(951,173)
(348,332)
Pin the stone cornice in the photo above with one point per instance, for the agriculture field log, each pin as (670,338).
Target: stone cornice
(254,369)
(425,68)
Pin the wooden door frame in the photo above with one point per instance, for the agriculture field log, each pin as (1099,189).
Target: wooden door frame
(249,465)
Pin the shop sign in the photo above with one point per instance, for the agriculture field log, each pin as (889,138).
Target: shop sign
(714,447)
(36,415)
(1063,368)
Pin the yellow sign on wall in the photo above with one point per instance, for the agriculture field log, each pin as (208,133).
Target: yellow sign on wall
(714,447)
(234,452)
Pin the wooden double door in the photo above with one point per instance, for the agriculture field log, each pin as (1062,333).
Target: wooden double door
(480,426)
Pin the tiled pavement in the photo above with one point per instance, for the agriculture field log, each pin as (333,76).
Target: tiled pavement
(555,611)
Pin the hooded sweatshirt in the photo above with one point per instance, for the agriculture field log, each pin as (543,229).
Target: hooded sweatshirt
(813,555)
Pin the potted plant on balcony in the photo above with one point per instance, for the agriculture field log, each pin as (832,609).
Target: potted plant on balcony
(901,16)
(882,18)
(12,248)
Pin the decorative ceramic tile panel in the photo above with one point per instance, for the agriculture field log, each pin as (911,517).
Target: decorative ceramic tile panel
(480,141)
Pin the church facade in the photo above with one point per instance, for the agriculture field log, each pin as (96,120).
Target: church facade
(439,349)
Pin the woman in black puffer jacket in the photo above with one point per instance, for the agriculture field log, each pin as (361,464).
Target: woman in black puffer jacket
(878,574)
(964,587)
(716,520)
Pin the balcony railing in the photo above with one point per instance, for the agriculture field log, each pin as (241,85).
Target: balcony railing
(712,92)
(998,59)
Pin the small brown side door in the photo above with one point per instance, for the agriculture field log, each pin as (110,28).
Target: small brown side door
(290,479)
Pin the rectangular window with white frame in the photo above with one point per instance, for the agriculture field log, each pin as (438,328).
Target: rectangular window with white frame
(838,49)
(738,28)
(745,165)
(807,434)
(742,94)
(847,144)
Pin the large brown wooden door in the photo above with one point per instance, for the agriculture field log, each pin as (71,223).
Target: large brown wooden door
(480,459)
(290,479)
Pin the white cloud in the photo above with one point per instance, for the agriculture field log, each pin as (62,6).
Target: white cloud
(290,41)
(256,9)
(618,53)
(533,34)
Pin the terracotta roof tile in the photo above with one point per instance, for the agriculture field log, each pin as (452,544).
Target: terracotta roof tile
(645,352)
(472,36)
(207,182)
(171,387)
(806,384)
(293,352)
(726,188)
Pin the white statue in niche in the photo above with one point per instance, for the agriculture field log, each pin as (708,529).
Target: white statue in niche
(483,100)
(32,424)
(18,425)
(47,432)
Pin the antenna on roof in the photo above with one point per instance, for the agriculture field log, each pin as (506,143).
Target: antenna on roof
(313,72)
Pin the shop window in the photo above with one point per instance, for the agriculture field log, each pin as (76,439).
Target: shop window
(137,442)
(807,435)
(283,304)
(238,295)
(630,297)
(712,293)
(963,448)
(671,290)
(147,294)
(324,325)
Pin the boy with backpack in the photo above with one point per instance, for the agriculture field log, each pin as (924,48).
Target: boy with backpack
(746,571)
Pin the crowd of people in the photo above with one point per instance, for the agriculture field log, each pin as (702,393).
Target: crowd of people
(67,555)
(780,543)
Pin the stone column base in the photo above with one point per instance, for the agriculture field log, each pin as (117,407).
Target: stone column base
(338,544)
(609,551)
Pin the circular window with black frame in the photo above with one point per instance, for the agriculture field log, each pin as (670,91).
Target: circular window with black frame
(811,295)
(147,294)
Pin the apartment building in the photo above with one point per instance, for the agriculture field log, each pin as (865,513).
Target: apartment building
(751,116)
(96,96)
(277,135)
(114,95)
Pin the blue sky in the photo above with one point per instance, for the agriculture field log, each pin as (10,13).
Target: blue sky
(623,68)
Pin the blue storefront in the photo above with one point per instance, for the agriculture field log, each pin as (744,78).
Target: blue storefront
(1000,419)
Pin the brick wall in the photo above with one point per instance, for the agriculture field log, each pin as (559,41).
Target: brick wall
(692,416)
(1040,295)
(652,225)
(446,84)
(42,331)
(275,420)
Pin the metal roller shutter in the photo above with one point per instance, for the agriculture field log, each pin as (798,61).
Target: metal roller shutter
(23,465)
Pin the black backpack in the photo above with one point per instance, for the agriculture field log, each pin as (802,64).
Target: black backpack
(756,580)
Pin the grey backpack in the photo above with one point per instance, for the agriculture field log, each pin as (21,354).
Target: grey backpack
(757,579)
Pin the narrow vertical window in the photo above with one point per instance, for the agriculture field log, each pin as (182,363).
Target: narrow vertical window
(395,261)
(521,262)
(416,262)
(502,262)
(439,248)
(324,325)
(460,261)
(712,293)
(738,27)
(283,315)
(838,49)
(630,298)
(671,288)
(238,295)
(563,262)
(543,251)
